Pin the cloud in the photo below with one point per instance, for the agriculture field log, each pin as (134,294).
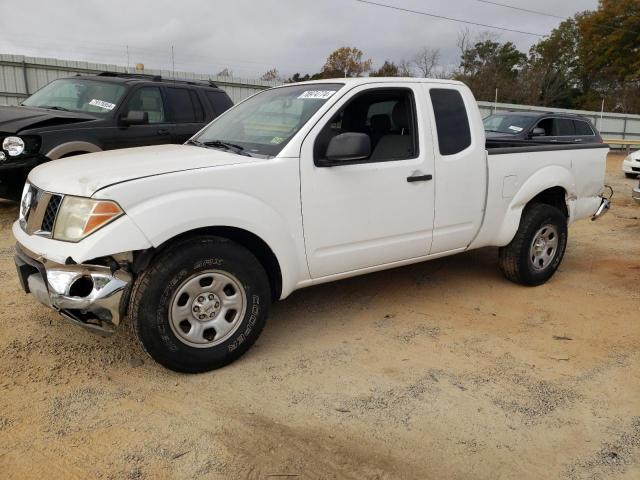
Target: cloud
(250,37)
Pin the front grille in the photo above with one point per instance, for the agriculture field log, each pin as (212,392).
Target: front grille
(49,219)
(39,210)
(635,169)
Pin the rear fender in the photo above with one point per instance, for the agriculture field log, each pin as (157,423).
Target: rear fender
(544,179)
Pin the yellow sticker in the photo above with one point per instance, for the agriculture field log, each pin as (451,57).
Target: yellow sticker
(277,140)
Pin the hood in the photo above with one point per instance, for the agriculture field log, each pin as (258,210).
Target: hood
(83,175)
(15,119)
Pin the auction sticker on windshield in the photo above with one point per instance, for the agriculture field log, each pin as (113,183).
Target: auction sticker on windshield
(102,104)
(317,94)
(515,129)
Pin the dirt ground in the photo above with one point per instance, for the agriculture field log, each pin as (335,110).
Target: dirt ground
(442,370)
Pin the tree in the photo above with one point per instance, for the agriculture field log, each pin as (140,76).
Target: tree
(610,55)
(490,65)
(270,75)
(345,62)
(426,61)
(405,69)
(388,69)
(552,77)
(297,77)
(226,72)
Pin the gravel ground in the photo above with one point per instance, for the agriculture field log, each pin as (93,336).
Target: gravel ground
(438,370)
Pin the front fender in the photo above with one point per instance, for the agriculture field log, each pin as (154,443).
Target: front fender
(66,148)
(169,215)
(548,177)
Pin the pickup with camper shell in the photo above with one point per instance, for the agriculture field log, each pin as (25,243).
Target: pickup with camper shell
(295,186)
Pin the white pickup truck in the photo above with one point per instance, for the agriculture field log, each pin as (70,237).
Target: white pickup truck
(298,185)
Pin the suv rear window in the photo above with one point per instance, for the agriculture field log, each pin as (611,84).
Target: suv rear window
(184,105)
(452,123)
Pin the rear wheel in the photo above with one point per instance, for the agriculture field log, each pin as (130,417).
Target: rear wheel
(537,249)
(201,304)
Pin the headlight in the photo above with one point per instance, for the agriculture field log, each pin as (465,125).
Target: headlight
(79,217)
(14,146)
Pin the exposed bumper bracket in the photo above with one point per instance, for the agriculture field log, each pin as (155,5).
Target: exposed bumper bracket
(91,296)
(605,204)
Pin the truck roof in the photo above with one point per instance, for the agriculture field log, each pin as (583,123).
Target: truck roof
(370,80)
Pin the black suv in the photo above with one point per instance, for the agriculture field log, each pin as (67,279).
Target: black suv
(90,113)
(537,127)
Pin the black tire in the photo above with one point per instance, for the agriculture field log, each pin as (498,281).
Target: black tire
(631,175)
(516,261)
(156,288)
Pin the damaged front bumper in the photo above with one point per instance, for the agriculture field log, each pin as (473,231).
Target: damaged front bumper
(92,296)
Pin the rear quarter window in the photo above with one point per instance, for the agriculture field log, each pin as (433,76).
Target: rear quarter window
(583,128)
(218,101)
(452,122)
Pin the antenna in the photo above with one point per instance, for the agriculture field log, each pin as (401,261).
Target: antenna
(173,64)
(127,58)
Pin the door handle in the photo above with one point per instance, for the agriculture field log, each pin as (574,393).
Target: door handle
(163,131)
(419,178)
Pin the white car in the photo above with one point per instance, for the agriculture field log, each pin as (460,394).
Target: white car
(298,185)
(631,165)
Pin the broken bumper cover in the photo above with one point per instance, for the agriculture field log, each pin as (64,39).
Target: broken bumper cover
(91,296)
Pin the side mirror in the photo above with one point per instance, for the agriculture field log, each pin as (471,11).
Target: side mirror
(538,132)
(135,117)
(347,147)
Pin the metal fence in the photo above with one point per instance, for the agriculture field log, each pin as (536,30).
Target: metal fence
(21,76)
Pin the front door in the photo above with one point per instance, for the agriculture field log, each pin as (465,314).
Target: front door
(380,210)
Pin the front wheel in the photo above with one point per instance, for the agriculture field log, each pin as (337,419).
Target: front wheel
(631,175)
(535,253)
(200,305)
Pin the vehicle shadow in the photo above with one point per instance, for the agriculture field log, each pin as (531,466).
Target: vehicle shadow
(426,280)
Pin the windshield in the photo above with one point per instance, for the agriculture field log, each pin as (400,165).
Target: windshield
(264,123)
(511,124)
(78,95)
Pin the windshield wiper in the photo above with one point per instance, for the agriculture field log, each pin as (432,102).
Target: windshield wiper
(196,143)
(227,146)
(55,108)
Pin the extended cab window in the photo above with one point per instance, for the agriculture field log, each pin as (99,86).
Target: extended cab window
(387,116)
(184,105)
(148,99)
(452,123)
